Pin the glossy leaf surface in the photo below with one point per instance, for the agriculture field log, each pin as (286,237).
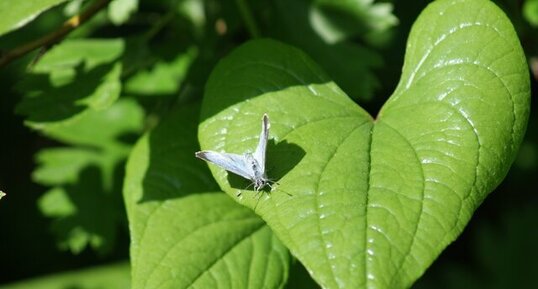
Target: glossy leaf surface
(180,239)
(364,202)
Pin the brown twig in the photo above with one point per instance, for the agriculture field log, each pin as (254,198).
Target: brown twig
(54,36)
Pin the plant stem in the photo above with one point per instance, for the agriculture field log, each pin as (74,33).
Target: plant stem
(248,18)
(54,36)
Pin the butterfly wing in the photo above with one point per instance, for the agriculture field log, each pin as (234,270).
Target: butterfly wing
(234,163)
(259,154)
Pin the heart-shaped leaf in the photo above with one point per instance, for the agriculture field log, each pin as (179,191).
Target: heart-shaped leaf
(202,240)
(364,202)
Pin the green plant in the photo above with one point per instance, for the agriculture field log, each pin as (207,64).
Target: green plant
(361,201)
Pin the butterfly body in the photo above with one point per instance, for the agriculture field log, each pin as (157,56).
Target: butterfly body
(250,166)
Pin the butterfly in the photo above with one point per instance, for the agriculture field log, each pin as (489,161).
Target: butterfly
(250,166)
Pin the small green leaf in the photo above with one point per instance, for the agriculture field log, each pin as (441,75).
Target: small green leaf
(73,207)
(119,11)
(85,179)
(56,203)
(74,76)
(336,20)
(164,78)
(506,268)
(116,124)
(349,64)
(370,203)
(15,15)
(62,165)
(530,12)
(114,276)
(185,240)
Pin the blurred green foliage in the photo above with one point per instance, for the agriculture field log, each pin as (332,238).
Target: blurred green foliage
(70,114)
(110,276)
(530,12)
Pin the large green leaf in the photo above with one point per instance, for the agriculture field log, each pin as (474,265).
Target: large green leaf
(185,240)
(364,202)
(14,15)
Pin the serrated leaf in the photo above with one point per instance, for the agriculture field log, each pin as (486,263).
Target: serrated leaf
(73,7)
(530,12)
(62,165)
(370,203)
(194,10)
(115,125)
(163,78)
(15,15)
(73,77)
(56,203)
(185,240)
(76,224)
(85,179)
(349,64)
(336,20)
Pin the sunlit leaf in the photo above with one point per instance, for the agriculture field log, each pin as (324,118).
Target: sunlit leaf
(114,276)
(180,239)
(119,11)
(86,179)
(163,78)
(337,20)
(62,165)
(364,202)
(73,77)
(194,11)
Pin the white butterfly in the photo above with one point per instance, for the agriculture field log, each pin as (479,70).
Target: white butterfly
(249,166)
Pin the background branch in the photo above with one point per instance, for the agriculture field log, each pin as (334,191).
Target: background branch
(54,36)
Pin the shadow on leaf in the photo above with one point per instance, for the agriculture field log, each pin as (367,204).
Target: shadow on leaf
(173,171)
(95,217)
(58,98)
(280,159)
